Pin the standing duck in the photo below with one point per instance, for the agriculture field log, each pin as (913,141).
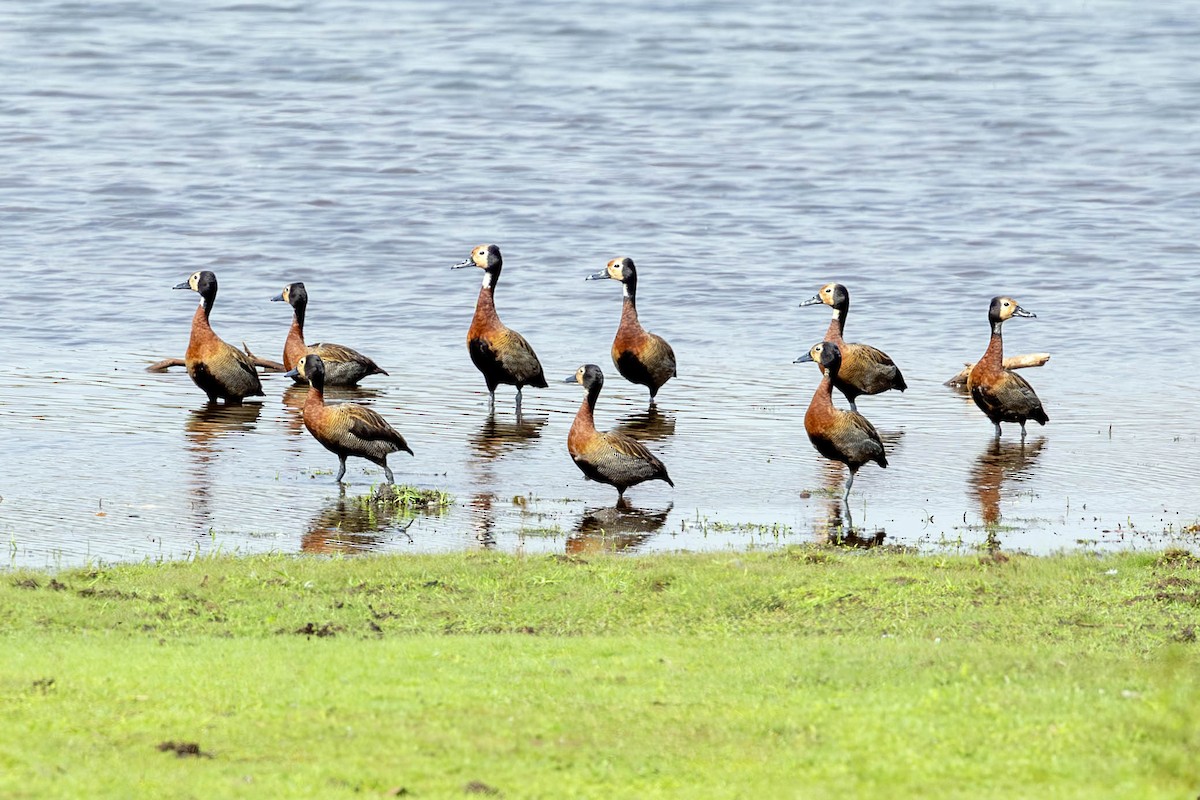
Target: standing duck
(1001,393)
(217,367)
(499,352)
(845,436)
(343,366)
(612,458)
(346,429)
(641,357)
(865,369)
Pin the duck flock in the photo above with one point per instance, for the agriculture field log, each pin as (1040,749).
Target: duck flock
(504,356)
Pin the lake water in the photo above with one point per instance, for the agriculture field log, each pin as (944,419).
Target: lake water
(928,155)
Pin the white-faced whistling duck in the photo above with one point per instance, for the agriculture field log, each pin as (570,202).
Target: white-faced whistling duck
(641,357)
(613,457)
(499,352)
(217,367)
(865,369)
(1001,393)
(845,436)
(343,366)
(346,429)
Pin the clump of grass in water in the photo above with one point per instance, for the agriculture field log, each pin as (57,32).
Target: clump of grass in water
(404,501)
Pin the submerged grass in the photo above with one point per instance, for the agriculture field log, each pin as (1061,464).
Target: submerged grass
(805,672)
(404,500)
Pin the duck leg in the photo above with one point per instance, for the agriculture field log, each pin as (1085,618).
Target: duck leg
(1022,432)
(491,400)
(341,469)
(846,496)
(997,424)
(853,407)
(388,472)
(518,401)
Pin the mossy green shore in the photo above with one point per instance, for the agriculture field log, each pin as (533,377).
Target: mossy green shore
(805,673)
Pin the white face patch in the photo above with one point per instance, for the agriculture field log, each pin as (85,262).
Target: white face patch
(489,280)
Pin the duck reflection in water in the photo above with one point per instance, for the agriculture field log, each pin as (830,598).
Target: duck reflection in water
(615,528)
(356,524)
(1001,462)
(204,428)
(483,519)
(492,441)
(838,525)
(495,438)
(650,425)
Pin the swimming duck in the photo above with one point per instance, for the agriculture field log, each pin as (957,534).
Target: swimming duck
(641,357)
(845,436)
(344,366)
(217,367)
(865,369)
(499,352)
(1001,393)
(612,458)
(346,429)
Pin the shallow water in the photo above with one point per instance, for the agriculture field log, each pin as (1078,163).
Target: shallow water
(928,156)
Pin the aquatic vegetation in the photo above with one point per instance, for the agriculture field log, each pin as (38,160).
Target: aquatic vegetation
(405,500)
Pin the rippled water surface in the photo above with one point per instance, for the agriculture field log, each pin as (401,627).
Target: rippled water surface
(926,154)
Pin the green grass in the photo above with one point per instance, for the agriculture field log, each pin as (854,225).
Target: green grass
(803,673)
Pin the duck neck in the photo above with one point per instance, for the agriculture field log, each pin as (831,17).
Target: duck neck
(994,355)
(629,305)
(485,304)
(837,325)
(584,418)
(293,346)
(823,396)
(200,327)
(298,318)
(316,395)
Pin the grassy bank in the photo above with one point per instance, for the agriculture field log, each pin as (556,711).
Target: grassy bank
(805,673)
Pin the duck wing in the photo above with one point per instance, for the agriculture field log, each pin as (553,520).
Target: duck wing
(870,369)
(516,356)
(368,425)
(1011,396)
(627,455)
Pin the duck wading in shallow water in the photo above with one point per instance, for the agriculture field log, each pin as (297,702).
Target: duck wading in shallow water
(641,357)
(343,366)
(865,369)
(499,352)
(845,436)
(217,367)
(612,458)
(1001,393)
(346,429)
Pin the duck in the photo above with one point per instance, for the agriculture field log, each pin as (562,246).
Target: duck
(217,367)
(346,429)
(640,356)
(613,457)
(1001,394)
(499,352)
(865,369)
(344,366)
(837,434)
